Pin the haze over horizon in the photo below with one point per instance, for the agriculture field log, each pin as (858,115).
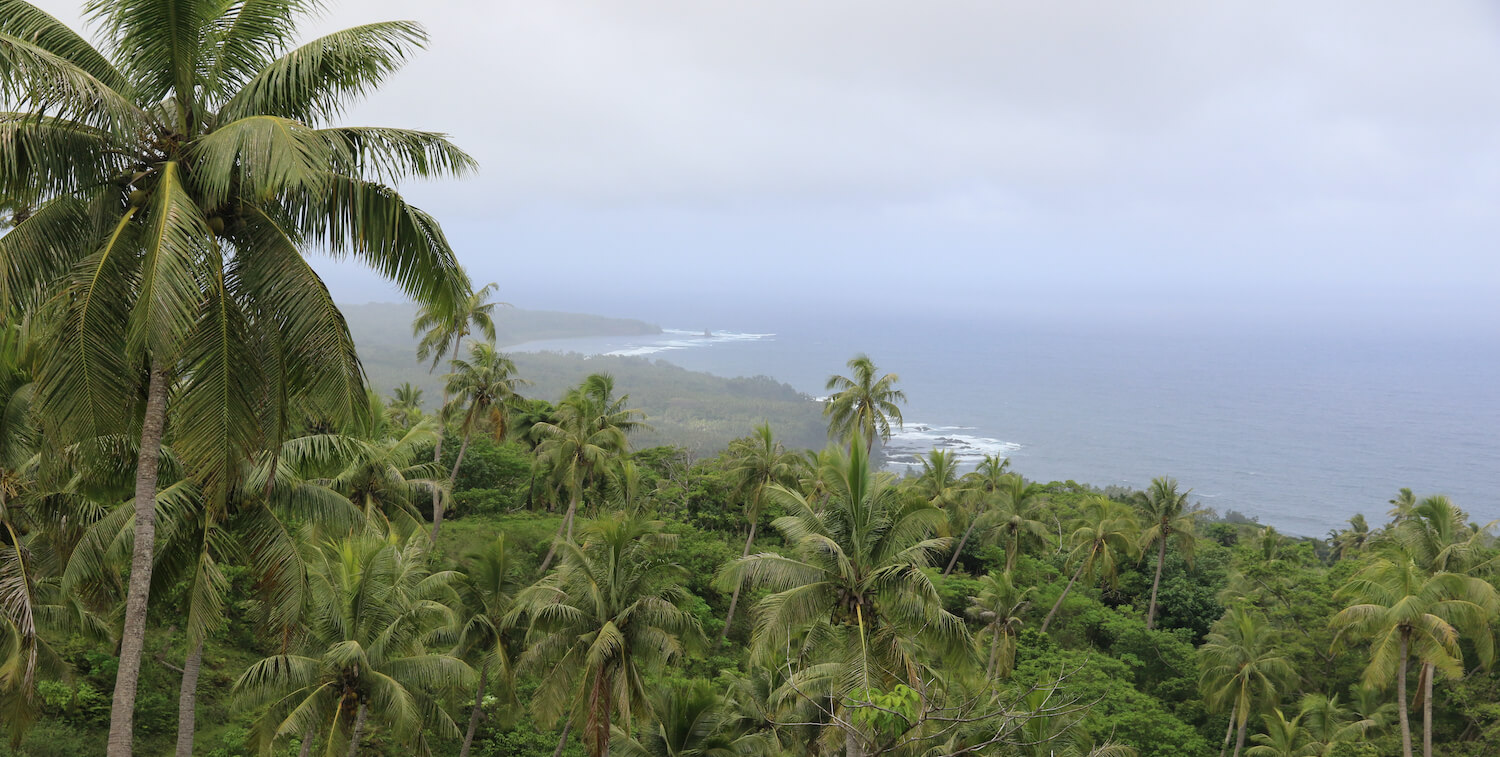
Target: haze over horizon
(1164,160)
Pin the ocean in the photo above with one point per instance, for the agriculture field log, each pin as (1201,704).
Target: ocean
(1298,428)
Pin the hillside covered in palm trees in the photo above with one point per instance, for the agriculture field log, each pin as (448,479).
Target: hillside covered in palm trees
(218,537)
(696,411)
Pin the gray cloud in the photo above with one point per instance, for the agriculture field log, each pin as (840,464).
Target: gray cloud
(1339,150)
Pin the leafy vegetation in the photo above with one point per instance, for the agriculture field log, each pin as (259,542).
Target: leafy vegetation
(191,469)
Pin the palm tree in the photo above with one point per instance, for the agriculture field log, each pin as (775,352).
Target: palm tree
(853,586)
(1166,517)
(377,467)
(613,612)
(1016,516)
(1350,541)
(820,472)
(36,608)
(374,609)
(1330,725)
(945,489)
(1283,738)
(1405,612)
(1369,703)
(484,386)
(254,524)
(488,591)
(443,326)
(760,462)
(1434,534)
(689,720)
(999,607)
(863,407)
(405,406)
(1239,666)
(1438,538)
(170,191)
(1107,532)
(1402,504)
(590,434)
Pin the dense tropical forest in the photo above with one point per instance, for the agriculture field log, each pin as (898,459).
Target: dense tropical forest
(218,539)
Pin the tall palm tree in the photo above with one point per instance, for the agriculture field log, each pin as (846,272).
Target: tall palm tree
(590,434)
(760,462)
(999,607)
(1402,504)
(1106,533)
(613,612)
(1166,517)
(1406,612)
(483,388)
(373,613)
(1239,666)
(253,526)
(171,188)
(443,326)
(1016,513)
(405,406)
(944,488)
(863,406)
(1438,537)
(853,587)
(1352,540)
(487,592)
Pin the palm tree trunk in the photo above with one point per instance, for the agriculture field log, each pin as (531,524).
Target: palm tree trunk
(437,448)
(989,671)
(1401,703)
(1427,676)
(187,700)
(476,713)
(562,742)
(959,549)
(308,735)
(437,505)
(1010,554)
(359,727)
(1228,733)
(1239,742)
(735,599)
(565,526)
(1048,621)
(599,714)
(133,635)
(1161,558)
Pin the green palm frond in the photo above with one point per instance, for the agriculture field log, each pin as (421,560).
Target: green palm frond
(317,81)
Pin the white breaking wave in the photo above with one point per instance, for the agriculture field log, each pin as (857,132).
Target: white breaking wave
(908,445)
(681,339)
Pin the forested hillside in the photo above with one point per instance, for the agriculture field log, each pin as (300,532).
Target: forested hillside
(216,538)
(696,411)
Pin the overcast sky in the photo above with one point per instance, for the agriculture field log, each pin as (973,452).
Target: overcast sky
(1318,160)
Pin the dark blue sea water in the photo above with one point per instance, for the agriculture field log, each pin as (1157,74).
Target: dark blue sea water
(1299,427)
